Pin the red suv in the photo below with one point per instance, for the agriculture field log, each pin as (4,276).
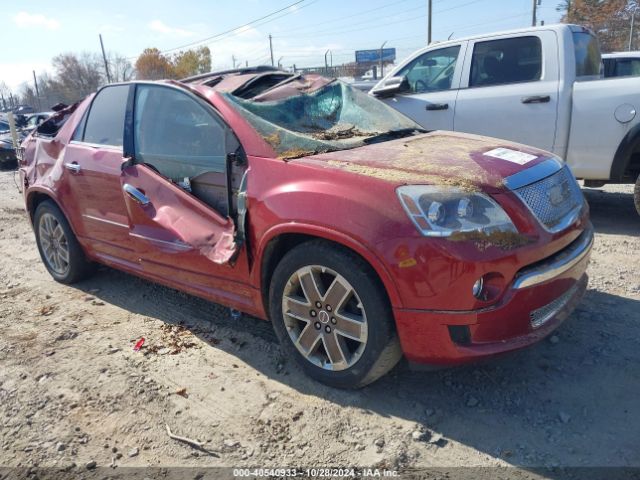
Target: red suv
(301,200)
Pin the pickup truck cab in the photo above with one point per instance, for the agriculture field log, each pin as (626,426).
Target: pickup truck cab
(621,64)
(540,86)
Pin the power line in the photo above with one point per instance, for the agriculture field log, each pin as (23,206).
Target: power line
(333,20)
(307,55)
(340,30)
(308,4)
(231,30)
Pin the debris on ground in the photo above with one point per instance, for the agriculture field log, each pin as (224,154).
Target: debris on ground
(182,392)
(138,345)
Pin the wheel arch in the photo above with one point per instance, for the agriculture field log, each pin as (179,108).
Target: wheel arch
(626,160)
(35,196)
(279,240)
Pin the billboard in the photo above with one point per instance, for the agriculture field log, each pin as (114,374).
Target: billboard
(373,56)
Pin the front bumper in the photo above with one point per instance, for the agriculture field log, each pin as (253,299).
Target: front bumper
(539,299)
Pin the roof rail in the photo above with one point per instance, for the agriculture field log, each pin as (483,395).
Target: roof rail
(240,71)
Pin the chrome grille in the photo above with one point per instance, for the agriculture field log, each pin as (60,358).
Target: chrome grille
(542,315)
(555,200)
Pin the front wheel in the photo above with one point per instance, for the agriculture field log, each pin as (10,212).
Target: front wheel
(331,313)
(636,195)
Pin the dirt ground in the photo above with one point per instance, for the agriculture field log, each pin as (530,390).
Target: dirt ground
(74,392)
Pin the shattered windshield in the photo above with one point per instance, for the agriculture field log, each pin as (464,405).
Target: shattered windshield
(334,117)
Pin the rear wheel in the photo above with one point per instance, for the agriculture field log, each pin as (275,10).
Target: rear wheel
(59,249)
(331,313)
(636,195)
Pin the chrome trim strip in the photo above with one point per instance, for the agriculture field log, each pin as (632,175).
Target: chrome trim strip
(534,174)
(114,148)
(560,263)
(104,220)
(178,245)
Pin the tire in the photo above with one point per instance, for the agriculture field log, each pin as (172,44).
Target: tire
(69,267)
(312,327)
(636,195)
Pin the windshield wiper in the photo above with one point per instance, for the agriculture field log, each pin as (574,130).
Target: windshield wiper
(394,134)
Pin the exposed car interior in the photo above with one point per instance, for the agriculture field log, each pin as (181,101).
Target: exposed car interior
(432,71)
(185,142)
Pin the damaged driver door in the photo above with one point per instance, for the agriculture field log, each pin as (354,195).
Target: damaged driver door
(180,238)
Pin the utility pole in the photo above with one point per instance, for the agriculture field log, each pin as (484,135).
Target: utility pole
(326,63)
(104,57)
(429,12)
(633,21)
(271,50)
(35,83)
(381,65)
(233,59)
(534,19)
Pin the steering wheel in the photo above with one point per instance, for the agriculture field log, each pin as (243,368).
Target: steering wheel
(420,86)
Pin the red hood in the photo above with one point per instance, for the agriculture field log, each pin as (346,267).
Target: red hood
(439,157)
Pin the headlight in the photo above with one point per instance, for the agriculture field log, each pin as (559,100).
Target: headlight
(440,211)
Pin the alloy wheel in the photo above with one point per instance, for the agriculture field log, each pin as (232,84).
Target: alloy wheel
(324,317)
(53,241)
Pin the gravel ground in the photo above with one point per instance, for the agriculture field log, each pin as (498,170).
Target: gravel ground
(74,393)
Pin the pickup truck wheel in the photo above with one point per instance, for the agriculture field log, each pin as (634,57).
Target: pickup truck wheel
(59,249)
(636,195)
(331,313)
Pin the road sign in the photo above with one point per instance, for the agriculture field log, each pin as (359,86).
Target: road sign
(372,56)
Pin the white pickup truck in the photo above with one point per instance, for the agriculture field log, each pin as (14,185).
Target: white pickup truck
(540,86)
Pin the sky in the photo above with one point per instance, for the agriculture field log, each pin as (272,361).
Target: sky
(34,31)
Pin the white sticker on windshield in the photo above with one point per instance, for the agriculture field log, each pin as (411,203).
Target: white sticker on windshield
(511,155)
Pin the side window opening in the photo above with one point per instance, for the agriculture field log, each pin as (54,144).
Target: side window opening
(432,71)
(587,54)
(79,132)
(627,67)
(510,60)
(185,142)
(51,126)
(105,121)
(261,84)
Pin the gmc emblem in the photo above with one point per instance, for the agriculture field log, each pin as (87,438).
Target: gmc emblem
(559,193)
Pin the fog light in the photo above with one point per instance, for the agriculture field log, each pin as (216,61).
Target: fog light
(477,288)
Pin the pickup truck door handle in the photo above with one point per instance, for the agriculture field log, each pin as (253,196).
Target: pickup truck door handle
(73,166)
(536,99)
(437,106)
(136,194)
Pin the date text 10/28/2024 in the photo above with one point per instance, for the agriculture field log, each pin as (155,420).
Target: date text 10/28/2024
(314,472)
